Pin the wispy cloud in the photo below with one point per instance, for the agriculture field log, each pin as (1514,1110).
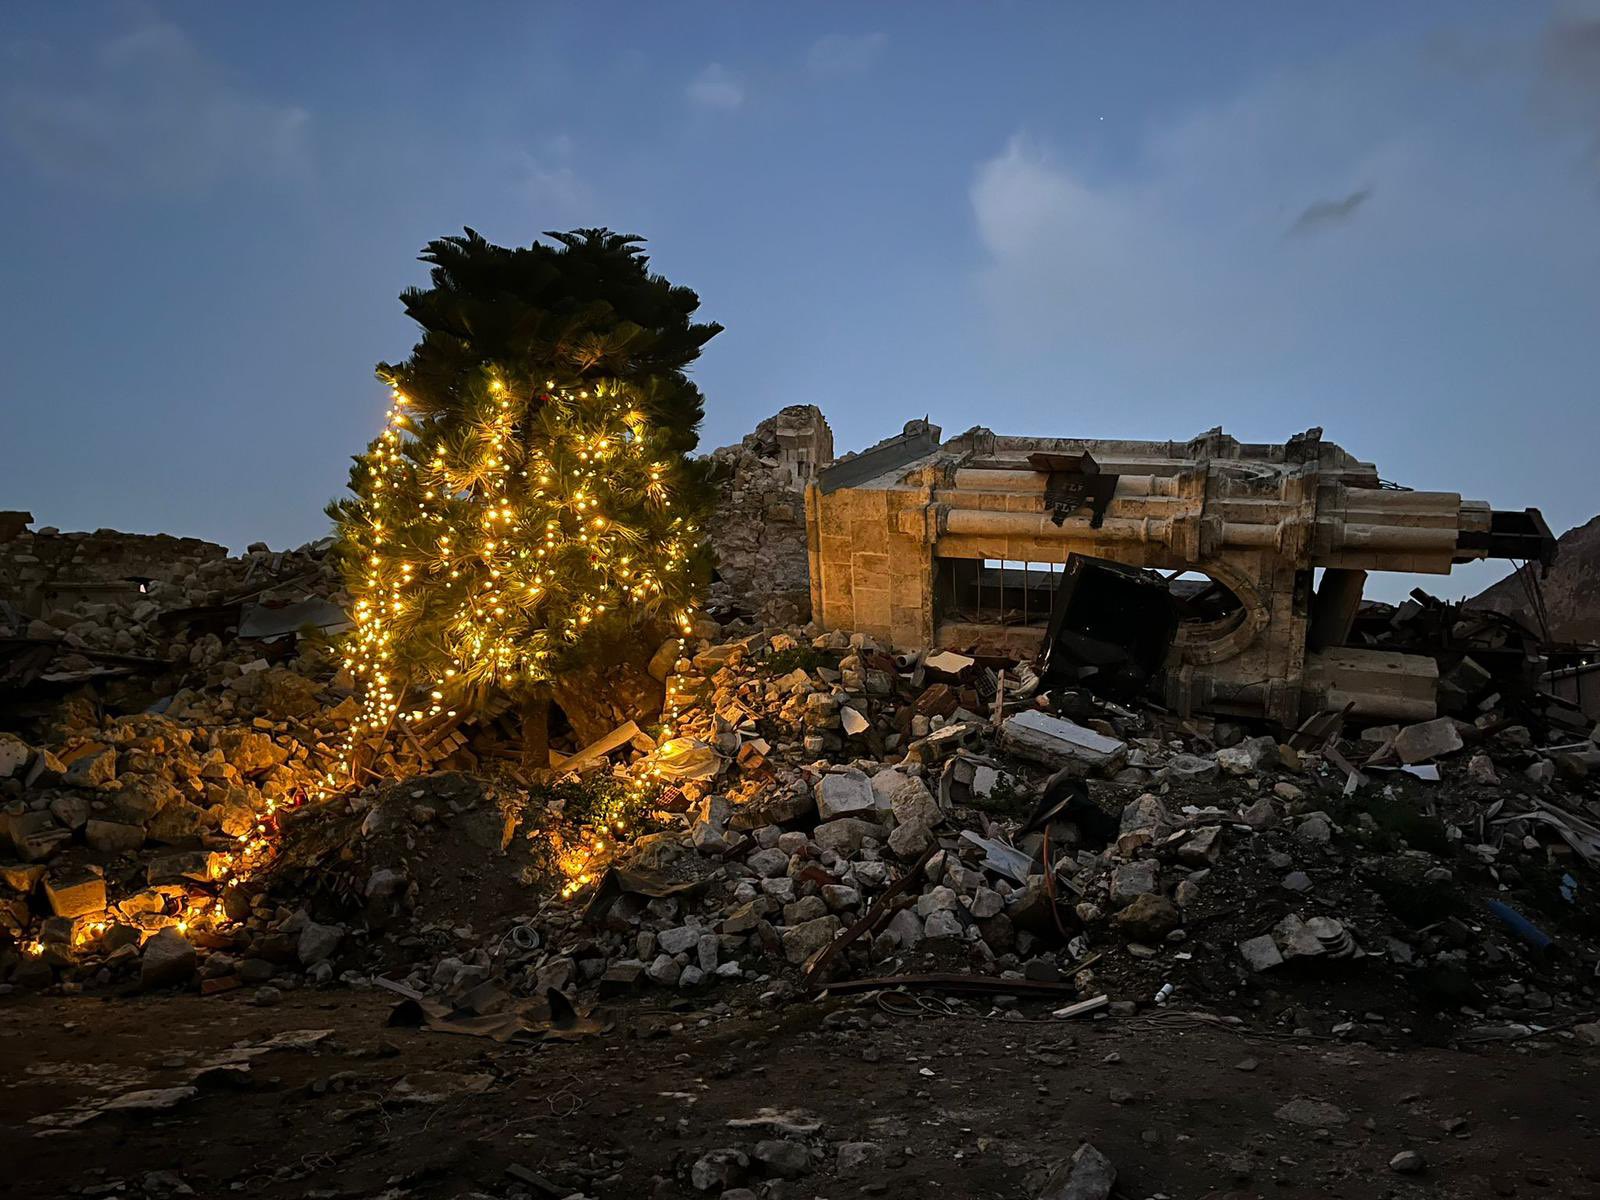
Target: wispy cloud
(148,110)
(1324,214)
(716,87)
(1178,261)
(845,53)
(550,180)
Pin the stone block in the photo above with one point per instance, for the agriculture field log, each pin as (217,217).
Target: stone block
(802,941)
(1057,742)
(113,837)
(75,895)
(169,960)
(36,835)
(844,793)
(846,835)
(1427,740)
(1131,880)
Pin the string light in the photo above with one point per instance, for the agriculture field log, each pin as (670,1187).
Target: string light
(491,543)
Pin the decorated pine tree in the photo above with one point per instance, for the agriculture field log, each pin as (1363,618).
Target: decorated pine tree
(529,518)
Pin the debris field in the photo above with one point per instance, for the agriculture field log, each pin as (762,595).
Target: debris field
(864,869)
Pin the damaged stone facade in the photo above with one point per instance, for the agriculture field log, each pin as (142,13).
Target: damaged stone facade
(759,531)
(47,571)
(903,547)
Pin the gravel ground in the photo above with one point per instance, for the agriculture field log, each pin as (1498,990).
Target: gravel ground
(948,1106)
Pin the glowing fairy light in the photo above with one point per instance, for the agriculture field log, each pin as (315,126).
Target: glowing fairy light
(486,550)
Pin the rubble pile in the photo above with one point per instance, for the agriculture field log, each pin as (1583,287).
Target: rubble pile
(837,816)
(145,824)
(817,812)
(1078,843)
(143,617)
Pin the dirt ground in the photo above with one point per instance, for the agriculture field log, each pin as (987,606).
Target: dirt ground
(960,1106)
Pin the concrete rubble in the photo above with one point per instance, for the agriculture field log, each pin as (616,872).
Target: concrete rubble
(837,817)
(1239,870)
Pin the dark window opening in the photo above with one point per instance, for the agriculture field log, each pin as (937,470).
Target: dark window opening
(1201,598)
(1004,592)
(996,592)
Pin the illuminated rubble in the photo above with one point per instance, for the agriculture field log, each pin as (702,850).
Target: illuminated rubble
(815,809)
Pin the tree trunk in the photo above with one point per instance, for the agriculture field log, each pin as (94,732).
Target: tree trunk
(598,698)
(536,732)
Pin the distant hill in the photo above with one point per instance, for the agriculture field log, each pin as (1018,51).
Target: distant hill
(1571,593)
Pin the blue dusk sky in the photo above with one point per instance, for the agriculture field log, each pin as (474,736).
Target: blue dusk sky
(1129,220)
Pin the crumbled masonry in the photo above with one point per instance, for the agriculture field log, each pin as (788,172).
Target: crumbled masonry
(819,813)
(1240,867)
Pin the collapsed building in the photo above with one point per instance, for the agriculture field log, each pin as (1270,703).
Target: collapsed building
(759,534)
(980,544)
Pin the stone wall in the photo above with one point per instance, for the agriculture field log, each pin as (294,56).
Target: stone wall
(48,570)
(759,530)
(107,591)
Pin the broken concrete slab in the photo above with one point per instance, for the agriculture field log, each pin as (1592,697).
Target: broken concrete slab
(844,793)
(1428,740)
(1058,742)
(1261,952)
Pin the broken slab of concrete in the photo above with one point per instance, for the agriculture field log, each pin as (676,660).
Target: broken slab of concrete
(1427,740)
(1058,742)
(844,793)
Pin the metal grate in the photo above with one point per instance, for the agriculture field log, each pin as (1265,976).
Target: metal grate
(996,591)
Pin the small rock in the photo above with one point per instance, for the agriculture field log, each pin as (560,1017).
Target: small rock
(782,1157)
(1261,953)
(855,1157)
(1315,830)
(168,960)
(1480,770)
(664,969)
(1408,1162)
(943,923)
(1089,1175)
(1130,880)
(1260,815)
(910,839)
(719,1170)
(1314,1114)
(317,943)
(1148,918)
(676,941)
